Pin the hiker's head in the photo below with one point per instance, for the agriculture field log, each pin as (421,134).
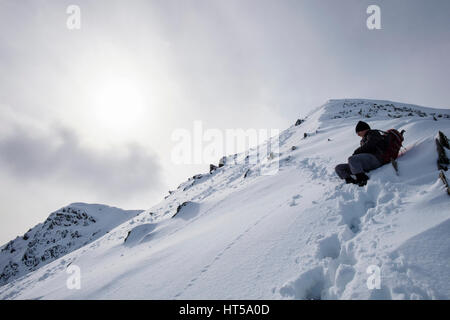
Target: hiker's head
(362,128)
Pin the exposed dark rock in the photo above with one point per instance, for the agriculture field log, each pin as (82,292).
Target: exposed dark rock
(179,208)
(222,162)
(443,160)
(443,140)
(444,181)
(9,271)
(212,168)
(170,192)
(126,238)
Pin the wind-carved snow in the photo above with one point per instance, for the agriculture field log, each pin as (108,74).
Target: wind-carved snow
(300,233)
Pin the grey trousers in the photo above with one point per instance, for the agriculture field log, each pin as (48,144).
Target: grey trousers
(358,163)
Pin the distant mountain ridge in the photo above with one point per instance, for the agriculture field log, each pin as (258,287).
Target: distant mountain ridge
(64,231)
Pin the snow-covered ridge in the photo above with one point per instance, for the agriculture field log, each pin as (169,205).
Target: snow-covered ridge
(64,231)
(297,233)
(371,110)
(379,108)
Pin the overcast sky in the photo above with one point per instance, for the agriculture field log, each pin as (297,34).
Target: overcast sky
(87,115)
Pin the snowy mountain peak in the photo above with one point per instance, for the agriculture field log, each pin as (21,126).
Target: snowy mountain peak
(64,231)
(376,109)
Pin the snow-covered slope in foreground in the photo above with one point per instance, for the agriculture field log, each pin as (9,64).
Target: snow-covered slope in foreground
(297,234)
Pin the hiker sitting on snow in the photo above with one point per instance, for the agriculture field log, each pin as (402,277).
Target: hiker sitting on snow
(368,156)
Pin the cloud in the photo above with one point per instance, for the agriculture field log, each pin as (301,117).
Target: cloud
(29,154)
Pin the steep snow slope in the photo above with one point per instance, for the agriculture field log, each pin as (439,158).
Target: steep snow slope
(65,230)
(296,233)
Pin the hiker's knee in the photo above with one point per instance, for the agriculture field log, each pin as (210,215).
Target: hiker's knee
(352,159)
(340,167)
(336,169)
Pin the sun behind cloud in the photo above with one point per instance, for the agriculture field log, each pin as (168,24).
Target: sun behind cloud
(118,104)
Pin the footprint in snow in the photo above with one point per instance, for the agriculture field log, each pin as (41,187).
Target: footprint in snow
(293,203)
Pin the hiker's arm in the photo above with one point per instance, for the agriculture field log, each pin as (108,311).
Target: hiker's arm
(368,147)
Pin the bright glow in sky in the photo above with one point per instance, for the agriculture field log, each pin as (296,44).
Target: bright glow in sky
(118,104)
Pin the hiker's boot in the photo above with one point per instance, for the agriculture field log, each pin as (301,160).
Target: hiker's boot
(350,180)
(361,179)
